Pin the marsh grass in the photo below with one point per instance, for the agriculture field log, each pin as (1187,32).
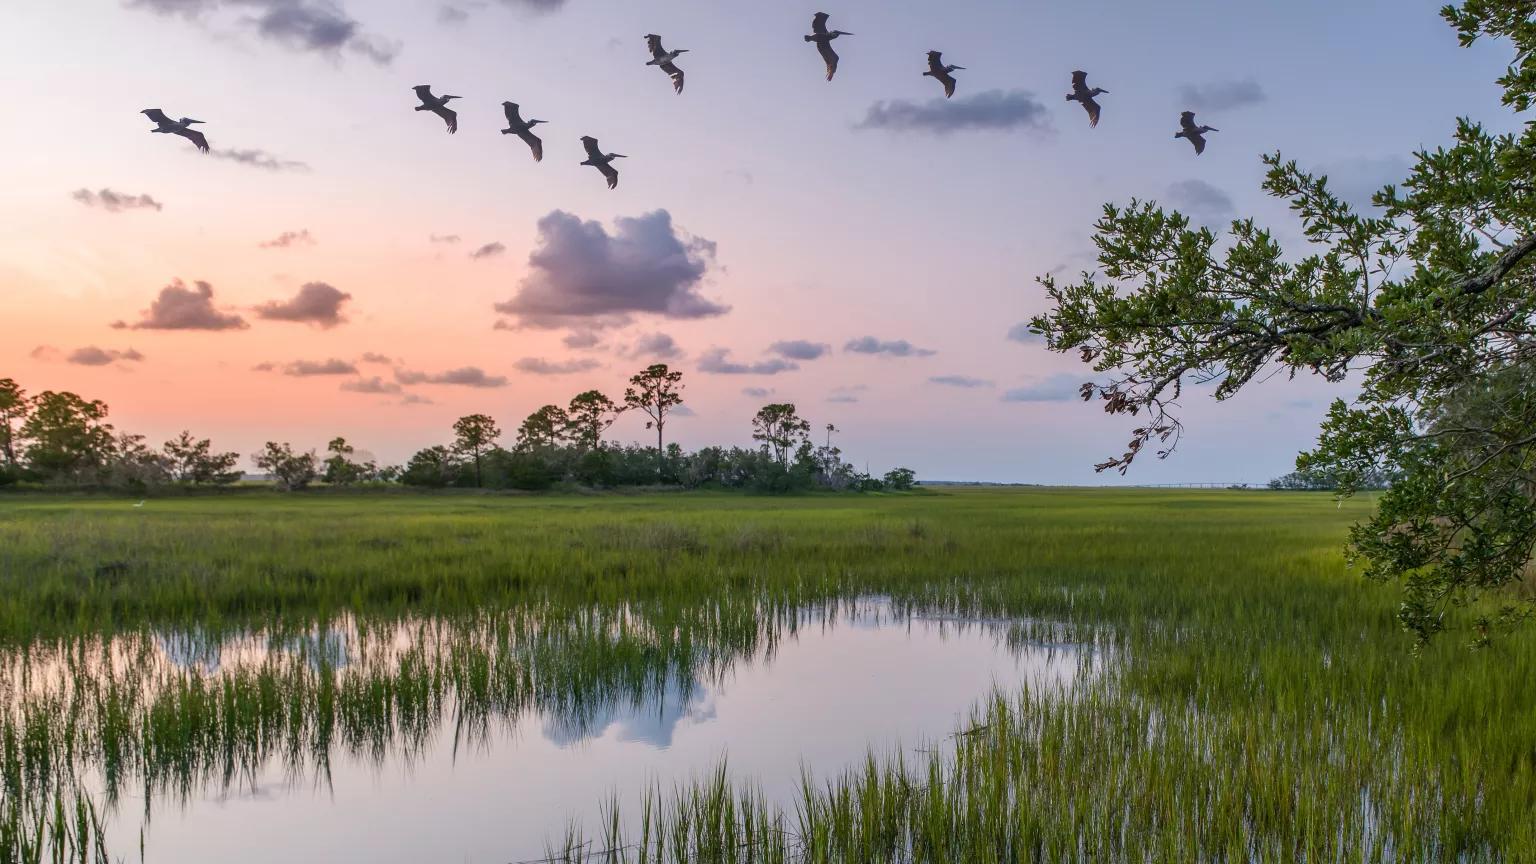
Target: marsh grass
(1261,706)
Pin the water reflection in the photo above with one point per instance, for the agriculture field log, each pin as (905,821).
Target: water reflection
(477,738)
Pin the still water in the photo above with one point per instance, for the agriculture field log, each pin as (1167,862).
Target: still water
(433,777)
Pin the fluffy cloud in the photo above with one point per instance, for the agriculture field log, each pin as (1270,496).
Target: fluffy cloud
(489,250)
(373,357)
(756,392)
(257,159)
(989,111)
(582,340)
(466,376)
(310,368)
(181,308)
(444,238)
(887,348)
(1221,95)
(800,349)
(540,366)
(1200,200)
(1020,332)
(716,362)
(317,303)
(580,275)
(374,384)
(115,202)
(87,356)
(319,26)
(1057,388)
(962,381)
(657,346)
(289,238)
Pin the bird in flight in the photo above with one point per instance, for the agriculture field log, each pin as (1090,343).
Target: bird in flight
(182,127)
(1195,134)
(941,73)
(663,58)
(600,160)
(437,105)
(1084,96)
(523,129)
(823,39)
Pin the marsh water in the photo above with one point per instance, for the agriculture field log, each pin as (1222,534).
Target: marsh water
(482,739)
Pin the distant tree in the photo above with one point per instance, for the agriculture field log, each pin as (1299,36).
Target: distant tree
(292,471)
(656,391)
(433,467)
(133,465)
(341,469)
(475,434)
(1428,304)
(542,429)
(66,436)
(900,479)
(780,429)
(192,461)
(13,414)
(588,417)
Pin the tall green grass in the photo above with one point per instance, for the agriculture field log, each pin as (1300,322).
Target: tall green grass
(1261,706)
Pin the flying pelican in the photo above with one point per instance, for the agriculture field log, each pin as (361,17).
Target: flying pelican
(823,39)
(523,129)
(600,160)
(437,105)
(182,127)
(1081,94)
(940,73)
(663,58)
(1195,134)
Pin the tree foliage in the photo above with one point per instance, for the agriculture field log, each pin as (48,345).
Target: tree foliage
(292,471)
(1431,302)
(193,462)
(780,429)
(588,417)
(473,436)
(657,391)
(67,437)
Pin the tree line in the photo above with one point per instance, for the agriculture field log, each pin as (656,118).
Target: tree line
(60,439)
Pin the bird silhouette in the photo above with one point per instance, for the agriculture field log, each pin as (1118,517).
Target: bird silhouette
(437,105)
(1084,96)
(182,127)
(1195,134)
(523,129)
(823,39)
(662,58)
(941,73)
(600,160)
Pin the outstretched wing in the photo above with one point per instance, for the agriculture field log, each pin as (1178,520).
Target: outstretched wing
(156,115)
(1079,80)
(1092,107)
(819,23)
(935,63)
(424,92)
(611,173)
(196,138)
(1199,141)
(653,44)
(827,54)
(449,116)
(593,152)
(676,73)
(949,84)
(1187,121)
(534,143)
(514,119)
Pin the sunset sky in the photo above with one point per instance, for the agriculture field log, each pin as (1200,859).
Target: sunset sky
(339,265)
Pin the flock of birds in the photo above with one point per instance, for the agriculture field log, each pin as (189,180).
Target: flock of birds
(666,61)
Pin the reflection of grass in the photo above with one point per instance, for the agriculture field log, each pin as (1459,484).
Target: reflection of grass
(1262,706)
